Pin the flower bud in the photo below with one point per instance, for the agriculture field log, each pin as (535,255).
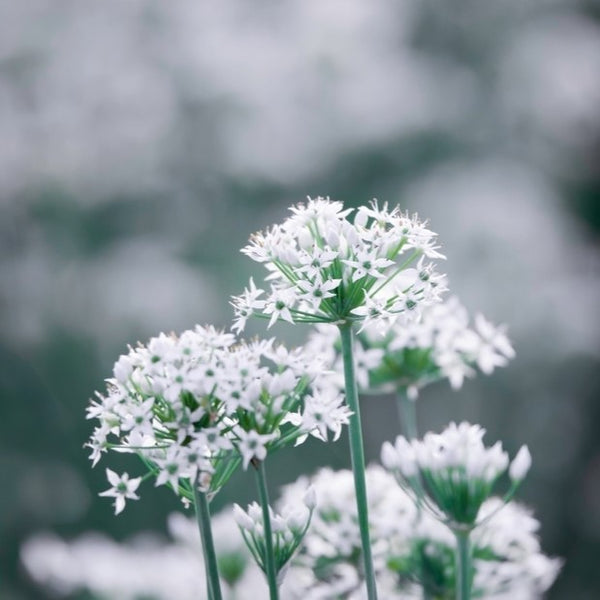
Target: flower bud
(305,239)
(388,456)
(310,498)
(520,464)
(361,217)
(123,369)
(241,518)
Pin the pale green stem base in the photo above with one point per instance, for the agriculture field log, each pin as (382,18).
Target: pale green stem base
(358,457)
(208,547)
(407,410)
(263,492)
(463,565)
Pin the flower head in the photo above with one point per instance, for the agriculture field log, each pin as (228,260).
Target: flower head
(454,469)
(325,268)
(160,405)
(194,406)
(413,354)
(414,553)
(288,528)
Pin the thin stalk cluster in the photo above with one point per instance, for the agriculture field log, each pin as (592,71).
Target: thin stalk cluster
(263,493)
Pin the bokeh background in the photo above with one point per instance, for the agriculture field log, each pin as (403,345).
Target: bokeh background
(142,142)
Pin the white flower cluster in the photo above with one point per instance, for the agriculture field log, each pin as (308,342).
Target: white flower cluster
(323,268)
(454,469)
(414,552)
(147,566)
(413,354)
(194,406)
(288,530)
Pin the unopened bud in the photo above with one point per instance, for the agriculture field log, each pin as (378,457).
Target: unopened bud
(310,498)
(520,465)
(241,518)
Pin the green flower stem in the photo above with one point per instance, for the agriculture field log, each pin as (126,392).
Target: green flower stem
(358,457)
(407,409)
(269,560)
(463,564)
(208,547)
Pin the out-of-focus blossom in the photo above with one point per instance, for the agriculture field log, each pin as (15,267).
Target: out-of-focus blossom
(145,566)
(408,356)
(414,552)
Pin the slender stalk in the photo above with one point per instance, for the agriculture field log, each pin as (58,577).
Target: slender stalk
(407,410)
(208,547)
(358,457)
(463,565)
(263,493)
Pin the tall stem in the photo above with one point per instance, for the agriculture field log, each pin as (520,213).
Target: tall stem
(208,547)
(357,456)
(263,492)
(463,565)
(407,410)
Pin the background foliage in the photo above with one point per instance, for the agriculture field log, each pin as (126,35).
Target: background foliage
(143,141)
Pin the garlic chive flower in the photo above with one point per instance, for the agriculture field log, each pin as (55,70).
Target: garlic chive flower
(271,397)
(454,470)
(122,488)
(409,356)
(413,551)
(507,558)
(160,405)
(328,563)
(289,528)
(325,268)
(194,406)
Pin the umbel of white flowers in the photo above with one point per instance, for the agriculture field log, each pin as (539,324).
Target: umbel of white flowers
(409,356)
(194,406)
(413,551)
(325,268)
(453,472)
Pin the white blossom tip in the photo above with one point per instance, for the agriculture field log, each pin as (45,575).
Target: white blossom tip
(242,518)
(310,498)
(520,464)
(388,456)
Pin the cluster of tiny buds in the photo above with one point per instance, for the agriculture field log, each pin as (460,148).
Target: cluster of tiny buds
(288,530)
(454,470)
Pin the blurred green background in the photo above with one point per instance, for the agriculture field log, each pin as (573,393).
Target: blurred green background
(142,142)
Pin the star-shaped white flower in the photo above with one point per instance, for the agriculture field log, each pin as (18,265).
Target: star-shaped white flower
(368,263)
(278,306)
(314,292)
(122,488)
(251,445)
